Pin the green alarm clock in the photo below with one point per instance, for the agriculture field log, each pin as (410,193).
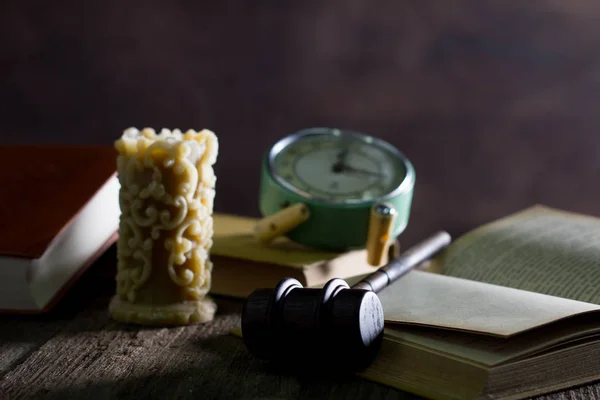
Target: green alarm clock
(339,175)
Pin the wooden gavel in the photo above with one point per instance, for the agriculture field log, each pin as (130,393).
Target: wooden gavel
(336,327)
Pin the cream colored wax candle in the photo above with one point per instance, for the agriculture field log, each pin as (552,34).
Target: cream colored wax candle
(166,227)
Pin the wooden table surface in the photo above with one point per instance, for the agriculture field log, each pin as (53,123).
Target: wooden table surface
(78,352)
(495,102)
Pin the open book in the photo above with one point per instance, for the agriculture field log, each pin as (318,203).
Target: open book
(512,311)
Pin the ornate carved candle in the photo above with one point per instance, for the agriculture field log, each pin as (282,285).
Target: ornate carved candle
(166,227)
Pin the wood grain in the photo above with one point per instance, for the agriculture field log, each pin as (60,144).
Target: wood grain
(76,351)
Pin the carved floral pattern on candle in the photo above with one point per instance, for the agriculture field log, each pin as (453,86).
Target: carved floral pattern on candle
(166,198)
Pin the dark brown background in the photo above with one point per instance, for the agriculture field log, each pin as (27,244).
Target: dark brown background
(495,102)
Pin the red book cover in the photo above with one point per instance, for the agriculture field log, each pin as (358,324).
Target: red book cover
(59,211)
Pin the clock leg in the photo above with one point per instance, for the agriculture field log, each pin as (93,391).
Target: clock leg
(278,224)
(379,239)
(394,250)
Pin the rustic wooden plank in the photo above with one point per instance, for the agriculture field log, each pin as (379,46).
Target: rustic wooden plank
(76,351)
(23,334)
(99,358)
(91,356)
(20,338)
(590,392)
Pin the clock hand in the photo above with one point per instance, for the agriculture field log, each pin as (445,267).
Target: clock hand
(348,168)
(343,155)
(340,164)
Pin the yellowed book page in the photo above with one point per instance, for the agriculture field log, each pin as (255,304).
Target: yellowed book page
(491,350)
(234,237)
(422,298)
(479,349)
(539,249)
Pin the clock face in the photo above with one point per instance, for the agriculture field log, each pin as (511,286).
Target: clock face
(341,168)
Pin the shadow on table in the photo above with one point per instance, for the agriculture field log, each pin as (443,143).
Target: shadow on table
(307,381)
(42,327)
(84,309)
(234,377)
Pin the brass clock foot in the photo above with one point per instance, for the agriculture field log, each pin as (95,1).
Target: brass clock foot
(379,238)
(278,224)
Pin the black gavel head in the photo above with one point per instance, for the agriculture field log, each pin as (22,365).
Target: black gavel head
(333,327)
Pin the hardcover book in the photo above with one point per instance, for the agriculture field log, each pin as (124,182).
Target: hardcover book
(59,209)
(242,264)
